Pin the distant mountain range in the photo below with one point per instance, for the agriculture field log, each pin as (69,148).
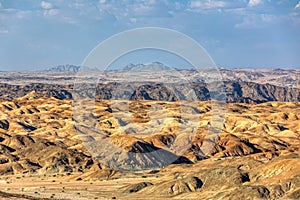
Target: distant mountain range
(279,77)
(64,68)
(154,66)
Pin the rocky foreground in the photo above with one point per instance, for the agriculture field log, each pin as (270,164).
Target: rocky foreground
(42,153)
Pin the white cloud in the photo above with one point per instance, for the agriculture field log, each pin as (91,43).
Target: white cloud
(260,20)
(46,5)
(298,5)
(12,13)
(0,5)
(254,2)
(49,9)
(208,4)
(50,12)
(152,8)
(144,6)
(102,1)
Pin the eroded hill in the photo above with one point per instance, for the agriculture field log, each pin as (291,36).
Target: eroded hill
(256,155)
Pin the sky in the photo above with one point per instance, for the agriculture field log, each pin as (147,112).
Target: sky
(37,34)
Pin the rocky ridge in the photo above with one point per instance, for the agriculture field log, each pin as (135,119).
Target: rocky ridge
(246,92)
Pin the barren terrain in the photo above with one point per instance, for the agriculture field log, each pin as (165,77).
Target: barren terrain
(67,74)
(256,155)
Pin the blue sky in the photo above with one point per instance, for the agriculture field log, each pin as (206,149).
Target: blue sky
(38,34)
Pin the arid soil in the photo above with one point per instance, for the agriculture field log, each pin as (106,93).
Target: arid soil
(42,153)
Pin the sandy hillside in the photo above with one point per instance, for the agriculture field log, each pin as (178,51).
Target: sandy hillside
(46,151)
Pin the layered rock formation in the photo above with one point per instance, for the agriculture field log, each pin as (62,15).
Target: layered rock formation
(243,92)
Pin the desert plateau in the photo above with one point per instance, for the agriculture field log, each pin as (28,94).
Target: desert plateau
(47,152)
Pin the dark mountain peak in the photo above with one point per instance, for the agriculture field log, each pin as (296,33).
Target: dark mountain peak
(71,69)
(64,68)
